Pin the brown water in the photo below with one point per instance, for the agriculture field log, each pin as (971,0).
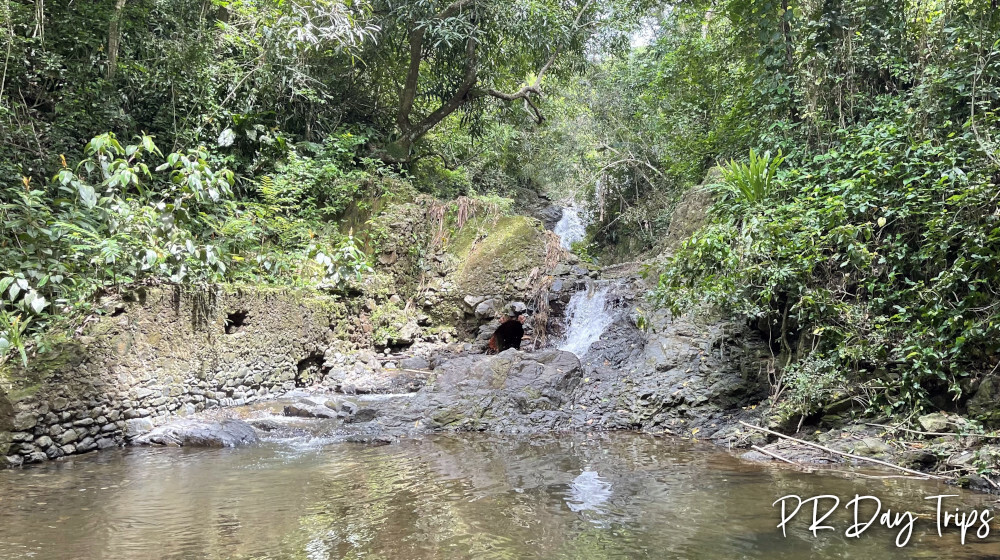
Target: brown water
(451,496)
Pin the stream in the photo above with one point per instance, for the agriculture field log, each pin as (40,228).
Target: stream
(305,493)
(610,495)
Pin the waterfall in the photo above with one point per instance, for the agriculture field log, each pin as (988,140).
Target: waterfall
(570,228)
(586,319)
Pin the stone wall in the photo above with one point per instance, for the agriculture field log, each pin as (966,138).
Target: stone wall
(164,352)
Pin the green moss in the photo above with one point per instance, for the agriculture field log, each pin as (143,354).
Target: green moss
(491,254)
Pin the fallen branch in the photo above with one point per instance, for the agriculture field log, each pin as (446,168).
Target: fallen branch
(775,455)
(984,436)
(841,453)
(809,469)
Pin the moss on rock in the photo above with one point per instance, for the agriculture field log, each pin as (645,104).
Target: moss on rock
(497,257)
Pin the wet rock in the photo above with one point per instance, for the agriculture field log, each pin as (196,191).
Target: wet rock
(201,433)
(86,444)
(304,410)
(349,407)
(35,457)
(369,439)
(362,415)
(265,424)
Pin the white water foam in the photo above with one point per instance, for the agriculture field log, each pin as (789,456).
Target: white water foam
(586,319)
(571,227)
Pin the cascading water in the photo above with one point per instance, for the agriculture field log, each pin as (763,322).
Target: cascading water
(587,317)
(571,227)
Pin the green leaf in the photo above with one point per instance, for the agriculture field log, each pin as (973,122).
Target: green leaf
(87,195)
(38,304)
(5,283)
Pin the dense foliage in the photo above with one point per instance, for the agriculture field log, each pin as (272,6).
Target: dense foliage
(281,121)
(871,263)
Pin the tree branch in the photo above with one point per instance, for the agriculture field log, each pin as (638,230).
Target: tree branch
(416,41)
(460,96)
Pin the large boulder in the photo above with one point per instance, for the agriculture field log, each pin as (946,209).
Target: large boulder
(511,392)
(201,433)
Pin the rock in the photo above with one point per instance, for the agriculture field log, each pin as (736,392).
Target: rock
(515,307)
(963,459)
(473,301)
(138,426)
(69,436)
(935,422)
(562,269)
(44,442)
(86,444)
(201,433)
(414,363)
(369,439)
(349,407)
(983,404)
(486,309)
(917,458)
(36,457)
(265,424)
(303,410)
(870,446)
(362,415)
(691,211)
(25,421)
(407,335)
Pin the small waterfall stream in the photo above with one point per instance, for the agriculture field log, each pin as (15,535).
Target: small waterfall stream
(571,227)
(587,317)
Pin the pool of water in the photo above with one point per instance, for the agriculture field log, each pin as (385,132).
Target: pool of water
(617,495)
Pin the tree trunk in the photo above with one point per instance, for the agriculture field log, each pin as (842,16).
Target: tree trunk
(114,38)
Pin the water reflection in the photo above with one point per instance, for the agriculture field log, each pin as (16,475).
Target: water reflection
(588,492)
(451,496)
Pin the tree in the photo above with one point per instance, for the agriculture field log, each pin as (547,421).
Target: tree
(458,55)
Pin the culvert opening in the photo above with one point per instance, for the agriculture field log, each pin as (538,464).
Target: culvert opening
(310,369)
(235,321)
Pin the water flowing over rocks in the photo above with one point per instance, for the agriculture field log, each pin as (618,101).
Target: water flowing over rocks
(571,227)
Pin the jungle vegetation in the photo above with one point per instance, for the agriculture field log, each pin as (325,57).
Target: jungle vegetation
(856,223)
